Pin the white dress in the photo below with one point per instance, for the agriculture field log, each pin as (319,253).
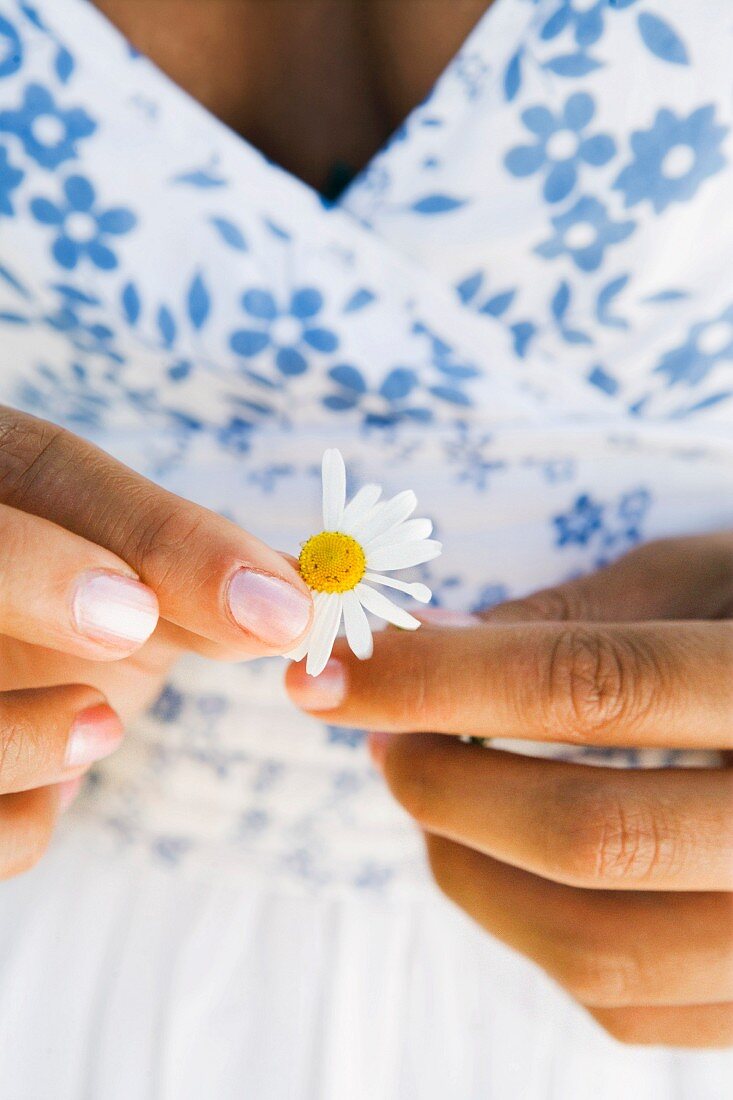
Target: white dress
(522,309)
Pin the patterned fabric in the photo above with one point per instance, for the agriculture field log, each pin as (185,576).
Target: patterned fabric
(524,304)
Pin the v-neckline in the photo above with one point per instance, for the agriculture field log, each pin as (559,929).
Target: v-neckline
(476,34)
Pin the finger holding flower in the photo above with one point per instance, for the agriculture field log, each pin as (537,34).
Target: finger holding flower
(618,883)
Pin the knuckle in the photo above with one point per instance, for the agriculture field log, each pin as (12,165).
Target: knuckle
(159,535)
(593,976)
(599,839)
(595,682)
(15,748)
(27,445)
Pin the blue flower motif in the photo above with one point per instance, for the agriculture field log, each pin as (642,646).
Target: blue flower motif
(708,343)
(561,147)
(381,406)
(348,736)
(49,134)
(583,233)
(11,51)
(168,706)
(236,435)
(672,158)
(10,177)
(579,524)
(81,227)
(289,332)
(584,16)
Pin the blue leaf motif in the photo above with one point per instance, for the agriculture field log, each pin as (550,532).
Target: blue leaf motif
(11,280)
(557,23)
(437,204)
(200,178)
(230,233)
(358,300)
(706,403)
(64,64)
(13,318)
(671,295)
(499,304)
(575,336)
(572,64)
(198,302)
(560,301)
(179,370)
(522,332)
(130,303)
(166,326)
(447,393)
(73,295)
(457,370)
(469,287)
(513,76)
(600,377)
(663,41)
(603,302)
(32,14)
(276,230)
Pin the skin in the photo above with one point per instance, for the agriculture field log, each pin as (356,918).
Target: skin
(619,884)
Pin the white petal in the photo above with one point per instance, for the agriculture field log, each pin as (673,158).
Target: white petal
(385,515)
(379,605)
(404,532)
(419,592)
(358,631)
(334,488)
(324,634)
(359,506)
(405,556)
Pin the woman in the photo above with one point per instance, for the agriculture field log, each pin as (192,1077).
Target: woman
(520,307)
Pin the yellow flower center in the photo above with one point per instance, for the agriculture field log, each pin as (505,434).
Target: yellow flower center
(332,562)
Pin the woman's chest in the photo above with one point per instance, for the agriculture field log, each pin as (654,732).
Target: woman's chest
(317,85)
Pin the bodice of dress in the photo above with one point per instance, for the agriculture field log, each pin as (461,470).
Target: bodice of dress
(522,309)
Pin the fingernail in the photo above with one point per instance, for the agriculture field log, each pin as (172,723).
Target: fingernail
(377,744)
(274,611)
(68,792)
(114,609)
(440,616)
(323,692)
(96,732)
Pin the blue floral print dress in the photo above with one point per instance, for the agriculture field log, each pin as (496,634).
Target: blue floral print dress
(523,309)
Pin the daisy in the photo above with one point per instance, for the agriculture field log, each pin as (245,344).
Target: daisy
(346,559)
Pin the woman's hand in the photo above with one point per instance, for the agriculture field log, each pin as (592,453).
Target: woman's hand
(618,883)
(90,555)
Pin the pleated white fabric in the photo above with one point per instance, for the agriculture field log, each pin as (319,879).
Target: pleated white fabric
(126,981)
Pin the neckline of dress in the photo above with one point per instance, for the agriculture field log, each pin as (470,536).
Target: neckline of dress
(481,29)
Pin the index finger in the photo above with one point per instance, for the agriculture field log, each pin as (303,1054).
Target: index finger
(211,577)
(640,684)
